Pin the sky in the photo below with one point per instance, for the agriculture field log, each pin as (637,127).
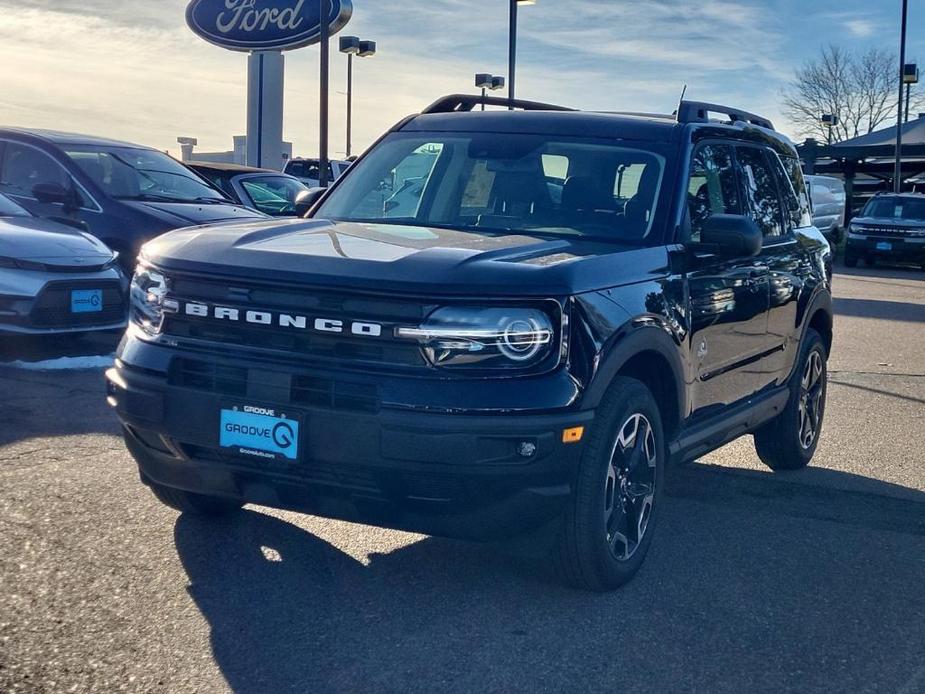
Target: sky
(132,69)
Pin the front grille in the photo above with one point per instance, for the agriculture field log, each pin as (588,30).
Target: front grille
(52,308)
(379,352)
(890,231)
(302,390)
(213,378)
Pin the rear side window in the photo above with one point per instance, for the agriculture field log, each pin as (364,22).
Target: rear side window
(712,187)
(796,197)
(760,188)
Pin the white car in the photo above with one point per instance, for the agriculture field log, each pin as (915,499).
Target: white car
(829,205)
(56,279)
(308,170)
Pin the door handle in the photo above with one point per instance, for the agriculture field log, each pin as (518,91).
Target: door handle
(757,276)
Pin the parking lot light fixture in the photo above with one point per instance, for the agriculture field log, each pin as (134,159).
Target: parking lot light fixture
(486,81)
(353,46)
(910,77)
(512,44)
(829,120)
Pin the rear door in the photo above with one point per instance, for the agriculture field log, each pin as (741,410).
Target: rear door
(729,296)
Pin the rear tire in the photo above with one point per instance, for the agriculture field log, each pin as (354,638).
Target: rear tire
(789,441)
(193,504)
(608,527)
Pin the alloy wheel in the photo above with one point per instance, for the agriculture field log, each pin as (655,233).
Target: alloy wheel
(812,390)
(630,486)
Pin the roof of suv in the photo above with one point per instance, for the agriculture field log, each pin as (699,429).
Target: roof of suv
(63,138)
(577,123)
(459,113)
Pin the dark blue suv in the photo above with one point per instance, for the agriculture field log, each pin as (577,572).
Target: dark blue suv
(573,301)
(123,194)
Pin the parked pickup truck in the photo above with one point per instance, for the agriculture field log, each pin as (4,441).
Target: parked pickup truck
(496,359)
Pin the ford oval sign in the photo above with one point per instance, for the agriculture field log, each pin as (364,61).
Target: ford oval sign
(264,25)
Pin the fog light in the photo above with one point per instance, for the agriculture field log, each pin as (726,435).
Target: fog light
(573,435)
(526,449)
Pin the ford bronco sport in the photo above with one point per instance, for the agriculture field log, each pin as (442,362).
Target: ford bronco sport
(574,301)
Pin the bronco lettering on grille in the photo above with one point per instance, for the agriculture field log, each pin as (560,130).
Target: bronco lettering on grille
(281,320)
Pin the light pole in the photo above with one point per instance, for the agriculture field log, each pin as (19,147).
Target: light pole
(352,46)
(829,120)
(485,81)
(898,171)
(910,77)
(325,16)
(512,45)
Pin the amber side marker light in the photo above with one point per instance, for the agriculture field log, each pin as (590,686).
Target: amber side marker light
(573,435)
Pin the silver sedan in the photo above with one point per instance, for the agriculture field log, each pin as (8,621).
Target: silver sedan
(55,278)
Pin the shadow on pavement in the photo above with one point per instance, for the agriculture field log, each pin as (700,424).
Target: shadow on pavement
(895,272)
(752,584)
(883,310)
(32,349)
(42,404)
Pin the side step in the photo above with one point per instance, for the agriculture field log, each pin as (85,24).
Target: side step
(709,435)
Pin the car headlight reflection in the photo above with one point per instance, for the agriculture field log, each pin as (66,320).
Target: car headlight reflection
(493,338)
(149,295)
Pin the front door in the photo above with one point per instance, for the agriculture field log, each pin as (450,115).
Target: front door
(729,297)
(23,166)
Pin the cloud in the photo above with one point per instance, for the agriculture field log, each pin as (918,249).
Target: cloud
(860,28)
(131,69)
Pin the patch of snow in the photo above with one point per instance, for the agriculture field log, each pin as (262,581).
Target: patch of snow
(62,364)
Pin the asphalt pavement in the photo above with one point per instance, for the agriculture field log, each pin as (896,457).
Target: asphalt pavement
(811,581)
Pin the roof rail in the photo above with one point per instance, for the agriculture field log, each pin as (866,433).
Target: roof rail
(458,103)
(699,112)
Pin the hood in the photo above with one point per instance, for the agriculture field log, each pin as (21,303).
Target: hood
(403,258)
(890,222)
(180,214)
(50,243)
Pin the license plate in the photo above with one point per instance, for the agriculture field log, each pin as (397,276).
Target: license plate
(260,432)
(884,246)
(86,300)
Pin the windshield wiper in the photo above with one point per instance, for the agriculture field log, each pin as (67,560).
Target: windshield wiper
(156,197)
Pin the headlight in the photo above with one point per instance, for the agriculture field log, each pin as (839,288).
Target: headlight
(488,338)
(149,291)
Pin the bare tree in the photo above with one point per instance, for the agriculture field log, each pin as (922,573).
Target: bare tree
(860,89)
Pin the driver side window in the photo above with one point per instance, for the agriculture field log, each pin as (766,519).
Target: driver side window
(25,167)
(712,188)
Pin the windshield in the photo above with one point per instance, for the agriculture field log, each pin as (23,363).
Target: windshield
(8,208)
(142,174)
(503,182)
(897,208)
(274,195)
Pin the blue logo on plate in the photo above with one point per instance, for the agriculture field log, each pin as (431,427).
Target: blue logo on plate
(264,25)
(86,300)
(255,434)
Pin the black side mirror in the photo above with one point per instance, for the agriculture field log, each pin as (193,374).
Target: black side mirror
(56,194)
(731,236)
(306,200)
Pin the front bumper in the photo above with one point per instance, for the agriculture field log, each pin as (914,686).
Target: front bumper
(449,474)
(900,248)
(39,303)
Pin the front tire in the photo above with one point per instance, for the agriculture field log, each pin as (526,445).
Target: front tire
(789,441)
(608,527)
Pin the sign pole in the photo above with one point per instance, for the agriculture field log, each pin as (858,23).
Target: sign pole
(898,172)
(323,103)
